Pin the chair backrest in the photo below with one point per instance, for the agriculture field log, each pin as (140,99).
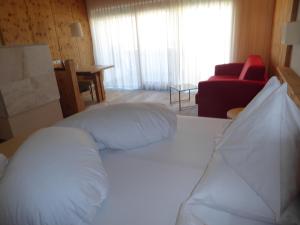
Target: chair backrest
(253,69)
(70,98)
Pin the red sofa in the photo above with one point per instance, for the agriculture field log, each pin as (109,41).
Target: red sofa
(233,85)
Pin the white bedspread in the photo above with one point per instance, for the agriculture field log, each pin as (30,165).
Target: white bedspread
(199,214)
(147,185)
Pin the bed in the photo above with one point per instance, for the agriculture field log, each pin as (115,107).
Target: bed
(149,184)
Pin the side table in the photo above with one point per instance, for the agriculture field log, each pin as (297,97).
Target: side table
(181,88)
(233,113)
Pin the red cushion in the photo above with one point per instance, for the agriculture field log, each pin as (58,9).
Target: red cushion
(223,77)
(253,60)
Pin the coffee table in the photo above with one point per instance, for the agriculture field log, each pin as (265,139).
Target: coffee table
(181,88)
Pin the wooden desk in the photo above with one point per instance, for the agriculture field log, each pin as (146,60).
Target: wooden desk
(94,74)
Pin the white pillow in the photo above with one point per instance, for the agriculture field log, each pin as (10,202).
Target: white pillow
(272,85)
(125,126)
(56,177)
(3,163)
(223,189)
(264,150)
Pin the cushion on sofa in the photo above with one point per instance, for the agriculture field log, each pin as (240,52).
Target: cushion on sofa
(255,62)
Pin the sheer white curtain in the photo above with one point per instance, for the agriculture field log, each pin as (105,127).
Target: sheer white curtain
(155,43)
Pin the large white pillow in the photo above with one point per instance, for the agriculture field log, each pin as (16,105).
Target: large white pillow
(272,85)
(264,150)
(125,126)
(223,189)
(3,163)
(56,177)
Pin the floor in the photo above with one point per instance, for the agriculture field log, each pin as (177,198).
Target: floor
(163,97)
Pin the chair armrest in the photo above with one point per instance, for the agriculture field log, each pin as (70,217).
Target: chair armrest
(215,98)
(233,69)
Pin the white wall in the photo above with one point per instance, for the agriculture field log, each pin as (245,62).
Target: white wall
(295,63)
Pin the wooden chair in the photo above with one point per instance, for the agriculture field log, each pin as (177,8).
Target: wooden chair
(70,97)
(86,85)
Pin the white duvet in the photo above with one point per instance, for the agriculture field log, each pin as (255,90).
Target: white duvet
(220,196)
(253,174)
(148,184)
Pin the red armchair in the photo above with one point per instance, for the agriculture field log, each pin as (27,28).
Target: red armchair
(233,85)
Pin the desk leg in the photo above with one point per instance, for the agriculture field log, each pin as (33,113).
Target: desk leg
(97,84)
(179,100)
(170,96)
(101,74)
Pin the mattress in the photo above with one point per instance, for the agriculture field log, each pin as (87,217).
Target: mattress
(147,185)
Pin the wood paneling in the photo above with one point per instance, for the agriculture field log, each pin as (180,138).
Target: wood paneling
(47,21)
(43,25)
(85,48)
(14,22)
(62,13)
(285,11)
(252,28)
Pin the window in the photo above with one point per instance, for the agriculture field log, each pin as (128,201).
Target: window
(155,43)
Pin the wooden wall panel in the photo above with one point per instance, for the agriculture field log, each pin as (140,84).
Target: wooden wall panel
(253,28)
(62,12)
(85,45)
(42,24)
(14,22)
(47,21)
(285,11)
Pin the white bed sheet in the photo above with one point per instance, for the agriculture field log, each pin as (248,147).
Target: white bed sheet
(148,185)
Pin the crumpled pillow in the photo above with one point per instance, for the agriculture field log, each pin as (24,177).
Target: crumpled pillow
(125,126)
(56,177)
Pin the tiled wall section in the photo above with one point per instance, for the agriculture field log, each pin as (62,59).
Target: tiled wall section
(47,22)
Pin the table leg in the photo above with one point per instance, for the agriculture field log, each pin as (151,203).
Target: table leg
(170,96)
(179,100)
(101,78)
(97,85)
